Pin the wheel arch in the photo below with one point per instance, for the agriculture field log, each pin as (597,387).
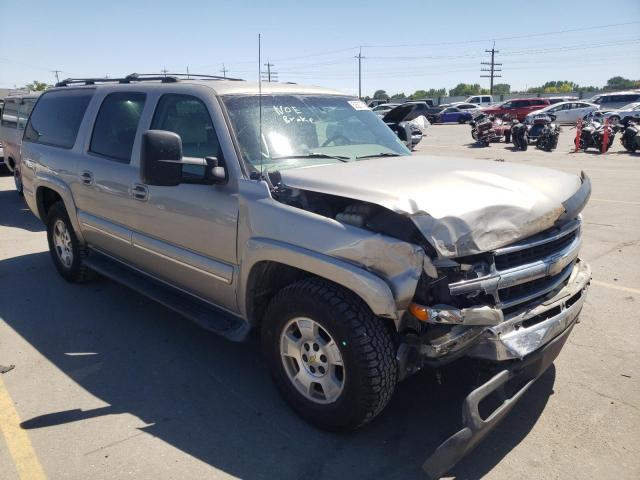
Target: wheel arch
(269,265)
(49,192)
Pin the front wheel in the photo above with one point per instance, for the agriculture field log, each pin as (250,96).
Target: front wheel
(331,358)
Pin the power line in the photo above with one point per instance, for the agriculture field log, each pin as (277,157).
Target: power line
(493,68)
(514,37)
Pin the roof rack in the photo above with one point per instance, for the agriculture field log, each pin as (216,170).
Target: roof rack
(143,77)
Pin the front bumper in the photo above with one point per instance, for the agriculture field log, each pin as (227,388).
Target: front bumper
(475,428)
(522,348)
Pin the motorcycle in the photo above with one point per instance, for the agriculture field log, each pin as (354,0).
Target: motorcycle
(629,127)
(547,136)
(519,135)
(593,132)
(486,129)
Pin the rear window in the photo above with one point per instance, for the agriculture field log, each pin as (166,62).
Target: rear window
(57,116)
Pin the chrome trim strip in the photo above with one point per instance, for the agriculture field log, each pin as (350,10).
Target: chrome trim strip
(104,232)
(182,264)
(565,230)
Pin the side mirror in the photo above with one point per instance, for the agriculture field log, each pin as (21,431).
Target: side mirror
(161,158)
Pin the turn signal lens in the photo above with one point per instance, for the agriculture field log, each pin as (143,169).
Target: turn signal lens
(419,311)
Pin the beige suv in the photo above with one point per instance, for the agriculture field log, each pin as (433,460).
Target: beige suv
(299,213)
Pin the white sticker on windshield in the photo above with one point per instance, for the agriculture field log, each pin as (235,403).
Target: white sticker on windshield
(358,105)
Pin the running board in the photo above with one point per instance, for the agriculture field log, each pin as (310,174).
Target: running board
(204,314)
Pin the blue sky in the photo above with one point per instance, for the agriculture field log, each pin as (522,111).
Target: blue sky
(407,45)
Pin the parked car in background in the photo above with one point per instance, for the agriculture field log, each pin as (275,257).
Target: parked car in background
(452,114)
(377,101)
(469,107)
(406,111)
(2,164)
(429,101)
(383,108)
(480,100)
(15,114)
(517,108)
(565,112)
(554,100)
(614,116)
(607,101)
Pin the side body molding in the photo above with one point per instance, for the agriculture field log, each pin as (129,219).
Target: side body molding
(372,289)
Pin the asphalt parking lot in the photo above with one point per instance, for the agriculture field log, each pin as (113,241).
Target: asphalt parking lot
(108,384)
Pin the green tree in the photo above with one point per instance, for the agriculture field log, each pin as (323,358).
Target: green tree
(621,83)
(36,86)
(463,89)
(501,88)
(380,95)
(398,96)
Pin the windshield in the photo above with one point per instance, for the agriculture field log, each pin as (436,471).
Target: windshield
(305,130)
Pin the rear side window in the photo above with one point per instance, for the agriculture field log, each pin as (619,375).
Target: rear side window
(538,102)
(10,113)
(57,116)
(116,124)
(24,111)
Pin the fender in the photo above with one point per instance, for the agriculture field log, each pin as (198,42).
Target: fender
(370,288)
(47,180)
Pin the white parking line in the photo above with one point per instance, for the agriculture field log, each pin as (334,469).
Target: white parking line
(615,287)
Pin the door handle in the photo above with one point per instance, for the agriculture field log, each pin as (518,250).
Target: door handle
(140,192)
(86,177)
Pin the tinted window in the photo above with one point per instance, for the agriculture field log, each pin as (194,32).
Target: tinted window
(538,102)
(507,105)
(57,117)
(10,113)
(188,117)
(520,103)
(486,99)
(24,111)
(116,125)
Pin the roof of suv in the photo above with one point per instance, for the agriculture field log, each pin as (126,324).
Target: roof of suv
(220,86)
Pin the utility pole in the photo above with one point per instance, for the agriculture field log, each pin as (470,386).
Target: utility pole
(187,71)
(164,71)
(56,72)
(270,75)
(360,57)
(224,71)
(493,68)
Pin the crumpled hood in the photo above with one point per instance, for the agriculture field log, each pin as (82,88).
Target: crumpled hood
(461,206)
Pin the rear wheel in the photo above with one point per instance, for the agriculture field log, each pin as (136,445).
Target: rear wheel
(331,358)
(66,250)
(17,180)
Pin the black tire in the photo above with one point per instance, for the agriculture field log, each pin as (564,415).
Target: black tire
(17,180)
(462,121)
(364,342)
(76,272)
(507,137)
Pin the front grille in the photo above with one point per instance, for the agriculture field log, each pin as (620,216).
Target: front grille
(516,277)
(534,287)
(532,254)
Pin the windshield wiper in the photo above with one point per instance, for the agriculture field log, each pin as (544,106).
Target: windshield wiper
(313,155)
(382,154)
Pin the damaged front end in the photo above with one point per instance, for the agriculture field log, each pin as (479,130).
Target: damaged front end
(501,282)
